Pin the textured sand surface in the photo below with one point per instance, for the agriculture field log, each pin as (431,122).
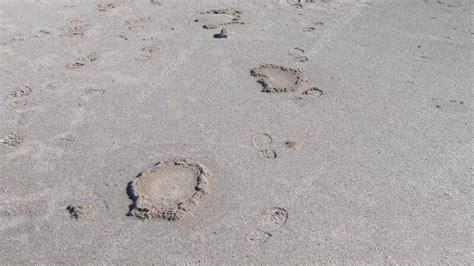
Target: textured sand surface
(169,190)
(369,162)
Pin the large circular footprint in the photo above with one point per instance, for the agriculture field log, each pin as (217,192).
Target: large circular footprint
(277,78)
(168,190)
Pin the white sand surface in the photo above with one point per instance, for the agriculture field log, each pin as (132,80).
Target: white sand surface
(359,152)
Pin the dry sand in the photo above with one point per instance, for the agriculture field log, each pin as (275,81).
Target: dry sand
(337,131)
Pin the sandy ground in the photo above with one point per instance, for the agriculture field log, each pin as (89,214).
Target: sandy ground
(358,151)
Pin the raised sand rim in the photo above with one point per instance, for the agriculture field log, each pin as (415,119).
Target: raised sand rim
(221,17)
(168,190)
(276,78)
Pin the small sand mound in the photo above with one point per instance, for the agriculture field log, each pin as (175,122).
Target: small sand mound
(276,78)
(168,190)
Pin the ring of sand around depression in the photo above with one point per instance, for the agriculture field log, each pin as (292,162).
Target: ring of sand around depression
(169,189)
(277,79)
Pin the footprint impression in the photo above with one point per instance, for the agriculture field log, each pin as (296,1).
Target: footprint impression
(76,28)
(19,97)
(281,79)
(148,51)
(300,3)
(18,212)
(12,139)
(106,6)
(169,190)
(83,60)
(450,106)
(16,99)
(78,211)
(137,25)
(272,219)
(215,18)
(263,142)
(298,54)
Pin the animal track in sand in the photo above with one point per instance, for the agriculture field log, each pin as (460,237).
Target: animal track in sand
(263,142)
(268,153)
(95,91)
(83,60)
(215,18)
(168,190)
(18,98)
(313,91)
(274,218)
(16,213)
(271,220)
(313,28)
(450,106)
(298,54)
(321,4)
(76,28)
(78,212)
(66,140)
(137,24)
(276,78)
(259,236)
(309,29)
(25,117)
(22,92)
(446,3)
(146,53)
(301,3)
(12,139)
(103,7)
(304,98)
(281,79)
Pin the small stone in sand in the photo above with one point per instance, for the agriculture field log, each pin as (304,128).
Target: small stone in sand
(290,144)
(224,34)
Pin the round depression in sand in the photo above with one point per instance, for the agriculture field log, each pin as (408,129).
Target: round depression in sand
(169,189)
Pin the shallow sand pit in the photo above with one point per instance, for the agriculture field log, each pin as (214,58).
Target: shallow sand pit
(168,190)
(276,78)
(221,17)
